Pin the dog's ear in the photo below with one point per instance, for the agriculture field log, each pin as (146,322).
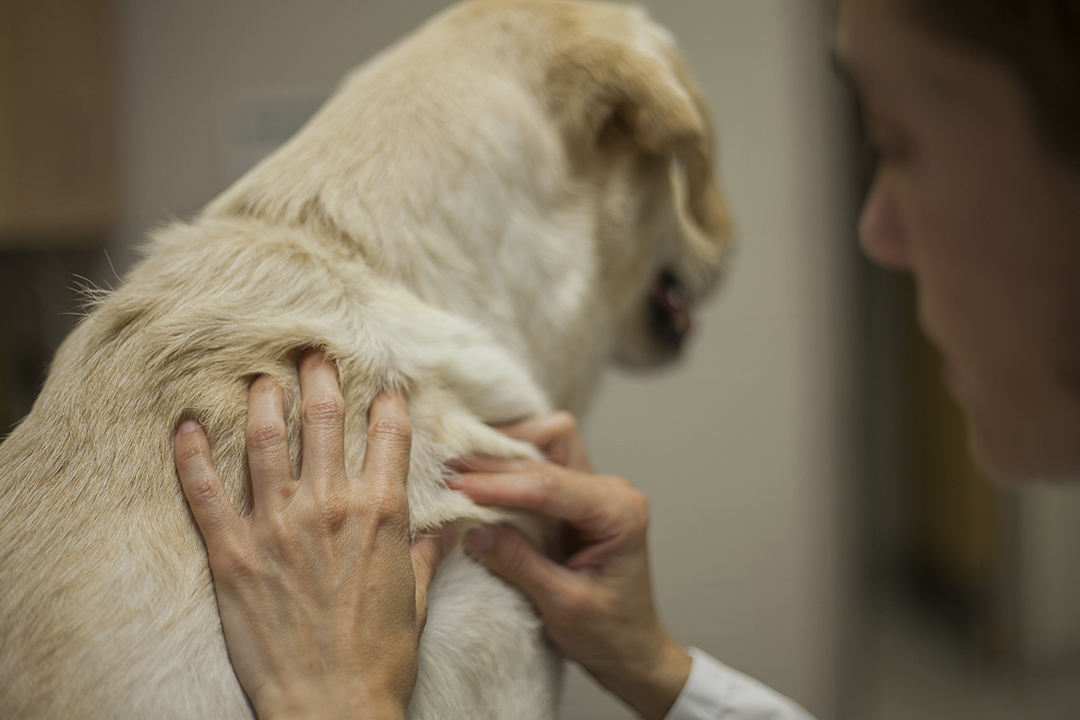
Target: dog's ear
(604,87)
(601,84)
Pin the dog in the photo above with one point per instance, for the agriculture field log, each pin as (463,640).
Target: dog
(481,216)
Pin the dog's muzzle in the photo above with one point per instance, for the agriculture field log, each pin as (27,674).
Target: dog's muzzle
(669,311)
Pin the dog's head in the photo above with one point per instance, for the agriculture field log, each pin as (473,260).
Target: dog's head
(635,123)
(540,166)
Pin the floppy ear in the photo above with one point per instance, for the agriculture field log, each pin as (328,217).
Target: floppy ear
(599,84)
(602,82)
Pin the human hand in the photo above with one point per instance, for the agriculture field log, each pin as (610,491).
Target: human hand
(597,604)
(321,594)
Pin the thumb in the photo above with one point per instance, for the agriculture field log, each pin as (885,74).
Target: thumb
(507,553)
(427,552)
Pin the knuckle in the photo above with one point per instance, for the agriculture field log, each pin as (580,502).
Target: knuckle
(265,436)
(237,563)
(564,440)
(187,451)
(543,482)
(577,607)
(513,559)
(634,503)
(265,385)
(333,517)
(392,430)
(324,410)
(388,506)
(203,490)
(564,424)
(282,532)
(331,513)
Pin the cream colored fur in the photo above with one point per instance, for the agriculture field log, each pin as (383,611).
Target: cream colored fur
(476,217)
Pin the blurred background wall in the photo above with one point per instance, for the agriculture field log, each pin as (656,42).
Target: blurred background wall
(745,450)
(815,521)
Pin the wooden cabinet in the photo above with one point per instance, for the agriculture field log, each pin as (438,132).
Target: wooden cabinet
(57,158)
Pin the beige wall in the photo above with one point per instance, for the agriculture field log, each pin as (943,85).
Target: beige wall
(741,449)
(1048,538)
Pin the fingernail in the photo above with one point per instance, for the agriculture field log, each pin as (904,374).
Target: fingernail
(460,466)
(447,537)
(454,482)
(479,541)
(186,427)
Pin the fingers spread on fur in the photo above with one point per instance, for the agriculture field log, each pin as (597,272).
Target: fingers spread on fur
(215,515)
(322,419)
(386,462)
(507,553)
(557,435)
(272,480)
(545,487)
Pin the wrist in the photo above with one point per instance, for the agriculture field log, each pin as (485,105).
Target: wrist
(652,685)
(326,702)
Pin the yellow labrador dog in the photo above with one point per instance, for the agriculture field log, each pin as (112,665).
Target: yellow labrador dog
(482,216)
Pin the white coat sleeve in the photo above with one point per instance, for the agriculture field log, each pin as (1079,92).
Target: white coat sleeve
(716,692)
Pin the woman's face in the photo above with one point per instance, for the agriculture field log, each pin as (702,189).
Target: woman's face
(987,218)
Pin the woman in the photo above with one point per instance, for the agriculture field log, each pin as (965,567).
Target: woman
(974,106)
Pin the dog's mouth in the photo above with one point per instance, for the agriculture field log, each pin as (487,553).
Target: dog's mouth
(669,311)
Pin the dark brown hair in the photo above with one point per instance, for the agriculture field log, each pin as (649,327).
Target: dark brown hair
(1039,40)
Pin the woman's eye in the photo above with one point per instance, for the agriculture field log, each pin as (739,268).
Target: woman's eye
(891,151)
(889,145)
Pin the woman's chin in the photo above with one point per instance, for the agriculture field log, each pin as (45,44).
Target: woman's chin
(1023,456)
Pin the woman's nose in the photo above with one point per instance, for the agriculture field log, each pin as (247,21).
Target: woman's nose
(881,229)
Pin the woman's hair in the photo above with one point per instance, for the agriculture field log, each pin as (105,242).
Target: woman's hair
(1039,40)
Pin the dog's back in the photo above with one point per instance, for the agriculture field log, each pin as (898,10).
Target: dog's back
(107,605)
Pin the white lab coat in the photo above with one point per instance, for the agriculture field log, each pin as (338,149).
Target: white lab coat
(716,692)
